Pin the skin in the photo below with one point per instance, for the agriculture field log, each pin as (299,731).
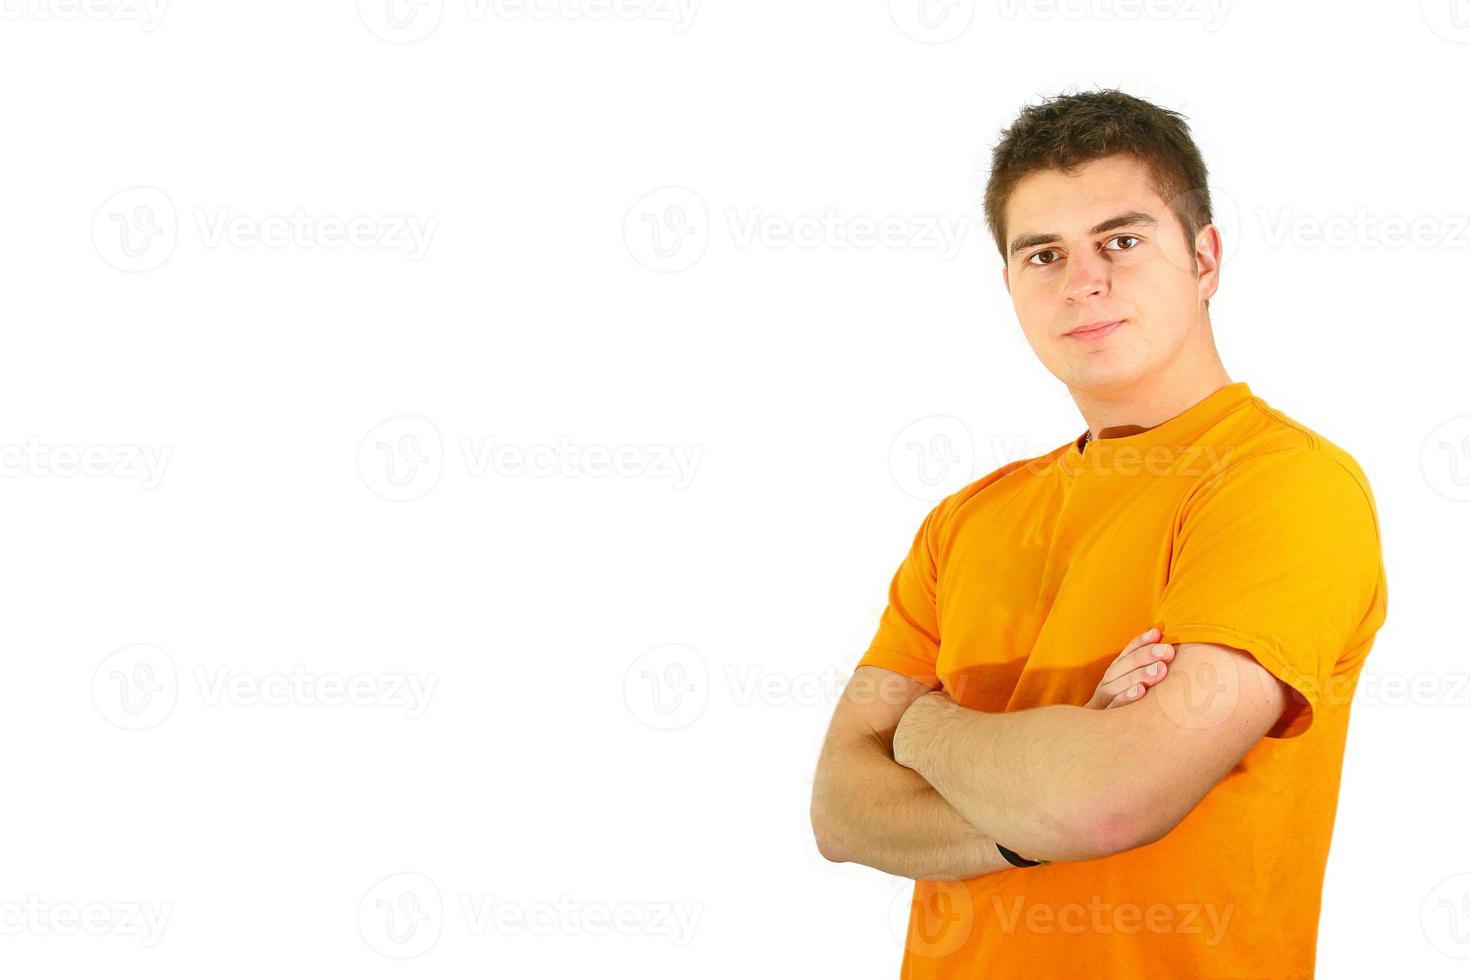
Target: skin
(866,807)
(1150,275)
(910,782)
(1063,783)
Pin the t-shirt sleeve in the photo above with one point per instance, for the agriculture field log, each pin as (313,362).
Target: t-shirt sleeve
(907,640)
(1279,557)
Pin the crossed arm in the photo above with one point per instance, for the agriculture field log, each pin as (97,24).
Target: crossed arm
(919,786)
(869,809)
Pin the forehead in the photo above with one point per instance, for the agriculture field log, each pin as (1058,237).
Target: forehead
(1050,201)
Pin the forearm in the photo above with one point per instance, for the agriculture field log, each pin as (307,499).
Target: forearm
(868,809)
(1028,778)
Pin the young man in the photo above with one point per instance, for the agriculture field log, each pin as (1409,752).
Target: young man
(1185,833)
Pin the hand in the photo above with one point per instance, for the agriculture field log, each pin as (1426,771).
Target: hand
(1127,678)
(914,726)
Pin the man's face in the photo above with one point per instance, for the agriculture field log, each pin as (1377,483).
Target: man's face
(1077,265)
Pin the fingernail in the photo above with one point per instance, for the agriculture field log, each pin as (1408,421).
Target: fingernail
(1153,670)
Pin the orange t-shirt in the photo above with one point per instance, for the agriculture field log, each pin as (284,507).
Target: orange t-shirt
(1229,523)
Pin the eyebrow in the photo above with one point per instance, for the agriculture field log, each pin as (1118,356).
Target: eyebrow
(1117,221)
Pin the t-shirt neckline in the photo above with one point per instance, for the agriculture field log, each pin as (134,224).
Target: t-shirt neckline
(1171,432)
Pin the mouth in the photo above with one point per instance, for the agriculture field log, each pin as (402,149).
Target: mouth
(1094,331)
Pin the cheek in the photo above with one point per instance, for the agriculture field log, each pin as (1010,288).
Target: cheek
(1034,305)
(1164,282)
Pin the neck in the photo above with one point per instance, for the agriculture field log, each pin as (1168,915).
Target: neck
(1158,398)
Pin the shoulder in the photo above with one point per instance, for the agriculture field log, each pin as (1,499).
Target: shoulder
(1266,451)
(1002,480)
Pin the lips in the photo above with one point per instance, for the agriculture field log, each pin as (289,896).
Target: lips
(1095,331)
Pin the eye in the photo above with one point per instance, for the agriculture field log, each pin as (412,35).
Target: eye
(1031,260)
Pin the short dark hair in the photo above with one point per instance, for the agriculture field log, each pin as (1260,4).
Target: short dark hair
(1066,131)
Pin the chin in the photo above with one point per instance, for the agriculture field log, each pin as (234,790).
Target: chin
(1101,375)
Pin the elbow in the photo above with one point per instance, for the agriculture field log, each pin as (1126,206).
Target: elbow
(1113,830)
(829,842)
(1112,833)
(828,847)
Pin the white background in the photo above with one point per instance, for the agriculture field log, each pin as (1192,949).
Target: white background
(174,177)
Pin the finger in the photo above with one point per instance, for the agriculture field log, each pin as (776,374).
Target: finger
(1140,657)
(1146,676)
(1132,694)
(1135,644)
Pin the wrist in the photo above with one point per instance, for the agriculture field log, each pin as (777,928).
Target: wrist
(916,731)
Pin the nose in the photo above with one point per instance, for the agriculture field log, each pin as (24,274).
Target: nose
(1088,275)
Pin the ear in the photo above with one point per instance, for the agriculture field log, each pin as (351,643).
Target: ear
(1005,275)
(1207,255)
